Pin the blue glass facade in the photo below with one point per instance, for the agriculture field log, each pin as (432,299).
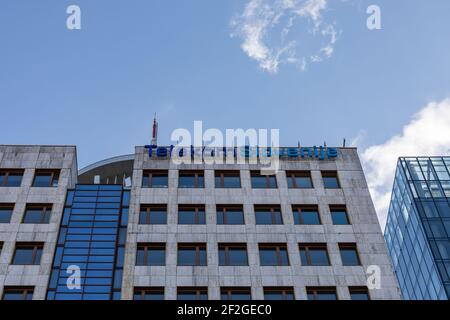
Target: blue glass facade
(91,240)
(418,227)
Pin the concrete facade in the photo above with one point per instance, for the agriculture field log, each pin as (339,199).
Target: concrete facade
(31,158)
(364,229)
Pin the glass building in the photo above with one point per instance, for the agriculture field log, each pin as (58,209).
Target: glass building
(418,227)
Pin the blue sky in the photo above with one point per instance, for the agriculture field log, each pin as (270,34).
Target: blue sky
(98,87)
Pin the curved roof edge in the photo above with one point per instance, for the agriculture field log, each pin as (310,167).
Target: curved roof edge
(104,162)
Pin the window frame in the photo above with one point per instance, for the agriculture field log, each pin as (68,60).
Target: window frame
(292,174)
(226,248)
(149,174)
(45,207)
(300,208)
(148,213)
(340,207)
(307,247)
(277,247)
(315,291)
(25,291)
(285,291)
(148,247)
(55,174)
(189,246)
(7,172)
(197,290)
(145,290)
(229,291)
(331,174)
(256,174)
(347,246)
(27,245)
(359,289)
(196,174)
(224,173)
(189,207)
(274,209)
(223,209)
(7,207)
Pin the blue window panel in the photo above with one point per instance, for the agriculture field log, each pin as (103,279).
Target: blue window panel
(80,205)
(62,235)
(79,231)
(122,236)
(124,219)
(86,193)
(97,289)
(75,259)
(103,244)
(98,282)
(66,265)
(87,187)
(126,199)
(120,257)
(51,295)
(105,231)
(77,244)
(118,279)
(108,205)
(92,296)
(102,251)
(81,251)
(81,218)
(66,217)
(83,211)
(69,199)
(58,256)
(109,193)
(64,289)
(105,224)
(100,266)
(73,296)
(81,224)
(103,237)
(106,218)
(99,273)
(110,188)
(78,237)
(63,281)
(109,199)
(101,258)
(54,279)
(84,199)
(107,211)
(116,295)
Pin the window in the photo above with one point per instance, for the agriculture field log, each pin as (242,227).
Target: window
(268,214)
(151,254)
(149,293)
(28,253)
(191,179)
(359,293)
(192,293)
(11,178)
(339,215)
(273,254)
(192,254)
(321,293)
(38,214)
(191,214)
(233,254)
(153,214)
(279,293)
(260,181)
(306,214)
(330,179)
(18,293)
(227,179)
(230,214)
(349,254)
(235,293)
(299,179)
(314,254)
(155,179)
(6,210)
(46,178)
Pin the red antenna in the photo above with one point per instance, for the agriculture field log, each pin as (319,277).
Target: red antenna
(155,131)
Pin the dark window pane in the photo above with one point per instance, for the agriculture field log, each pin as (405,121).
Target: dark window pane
(330,180)
(191,216)
(231,216)
(266,216)
(270,257)
(359,294)
(349,256)
(42,180)
(5,214)
(339,217)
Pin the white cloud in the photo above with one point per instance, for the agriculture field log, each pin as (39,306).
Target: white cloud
(427,134)
(267,30)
